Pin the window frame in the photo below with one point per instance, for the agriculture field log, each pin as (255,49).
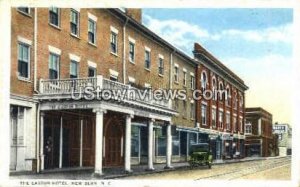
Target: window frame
(77,69)
(28,61)
(214,117)
(20,9)
(131,52)
(161,66)
(58,65)
(58,17)
(204,114)
(94,69)
(221,119)
(176,74)
(77,23)
(114,42)
(147,64)
(93,32)
(192,83)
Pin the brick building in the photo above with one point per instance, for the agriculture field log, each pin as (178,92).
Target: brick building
(57,51)
(260,141)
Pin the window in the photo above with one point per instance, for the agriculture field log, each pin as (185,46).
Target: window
(92,31)
(25,10)
(221,117)
(175,143)
(74,22)
(161,143)
(53,66)
(54,16)
(221,89)
(241,102)
(176,74)
(135,141)
(203,114)
(192,82)
(160,66)
(214,118)
(131,51)
(235,125)
(113,42)
(203,80)
(192,111)
(147,59)
(23,60)
(184,78)
(248,128)
(74,69)
(241,125)
(214,88)
(92,72)
(227,121)
(228,99)
(17,125)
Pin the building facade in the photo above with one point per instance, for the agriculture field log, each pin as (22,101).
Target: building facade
(284,133)
(57,52)
(260,141)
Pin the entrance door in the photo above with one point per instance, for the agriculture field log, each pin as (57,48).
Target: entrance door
(113,144)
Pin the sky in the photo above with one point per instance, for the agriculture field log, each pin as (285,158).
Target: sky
(256,44)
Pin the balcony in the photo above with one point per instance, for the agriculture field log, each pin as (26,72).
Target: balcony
(64,89)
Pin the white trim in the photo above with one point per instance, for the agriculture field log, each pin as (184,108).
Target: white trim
(184,70)
(92,64)
(74,57)
(131,40)
(24,40)
(192,74)
(113,73)
(161,56)
(147,85)
(221,109)
(214,106)
(147,49)
(203,102)
(77,9)
(176,65)
(192,101)
(131,79)
(234,115)
(114,30)
(241,117)
(227,112)
(54,50)
(92,17)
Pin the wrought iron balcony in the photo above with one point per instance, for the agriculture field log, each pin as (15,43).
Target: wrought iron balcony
(64,88)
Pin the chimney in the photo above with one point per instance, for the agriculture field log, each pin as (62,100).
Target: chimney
(135,13)
(198,48)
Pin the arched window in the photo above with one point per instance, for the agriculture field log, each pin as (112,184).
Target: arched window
(203,80)
(228,99)
(214,83)
(241,101)
(221,88)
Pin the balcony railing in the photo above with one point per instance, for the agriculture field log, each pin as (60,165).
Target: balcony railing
(51,87)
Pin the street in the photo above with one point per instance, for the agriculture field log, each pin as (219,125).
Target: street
(270,169)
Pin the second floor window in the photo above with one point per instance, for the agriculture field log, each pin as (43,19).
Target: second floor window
(147,59)
(214,117)
(74,22)
(54,16)
(25,10)
(23,60)
(131,52)
(221,119)
(248,128)
(227,121)
(92,31)
(74,69)
(176,78)
(160,66)
(113,42)
(92,72)
(53,66)
(192,82)
(203,80)
(184,78)
(203,114)
(235,124)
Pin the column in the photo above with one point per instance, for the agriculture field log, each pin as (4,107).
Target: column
(99,140)
(169,147)
(150,144)
(42,156)
(128,143)
(61,142)
(80,151)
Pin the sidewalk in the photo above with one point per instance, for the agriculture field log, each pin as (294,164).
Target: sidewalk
(117,172)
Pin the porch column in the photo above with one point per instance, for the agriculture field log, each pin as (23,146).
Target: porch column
(150,145)
(99,140)
(61,142)
(42,156)
(128,143)
(169,147)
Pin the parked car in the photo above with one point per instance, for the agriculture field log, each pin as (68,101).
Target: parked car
(200,155)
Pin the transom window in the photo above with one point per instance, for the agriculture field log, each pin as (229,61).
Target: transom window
(73,69)
(54,16)
(23,60)
(74,22)
(131,51)
(147,59)
(204,114)
(160,66)
(53,66)
(113,42)
(92,31)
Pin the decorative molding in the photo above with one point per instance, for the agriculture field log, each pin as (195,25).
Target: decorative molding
(24,40)
(114,30)
(54,50)
(92,64)
(74,57)
(92,17)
